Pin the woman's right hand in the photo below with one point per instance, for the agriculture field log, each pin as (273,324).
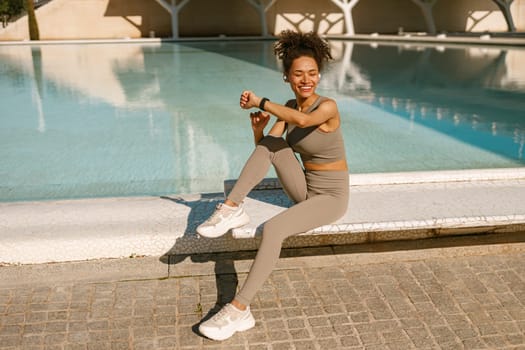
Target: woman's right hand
(259,120)
(249,100)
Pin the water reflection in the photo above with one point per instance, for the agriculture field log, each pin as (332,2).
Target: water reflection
(36,72)
(119,120)
(162,118)
(482,89)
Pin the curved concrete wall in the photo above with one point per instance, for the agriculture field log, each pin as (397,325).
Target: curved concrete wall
(90,19)
(94,19)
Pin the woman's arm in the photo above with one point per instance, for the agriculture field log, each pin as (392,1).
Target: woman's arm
(326,110)
(259,122)
(278,128)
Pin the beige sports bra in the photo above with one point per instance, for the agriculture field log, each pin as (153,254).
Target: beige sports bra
(313,144)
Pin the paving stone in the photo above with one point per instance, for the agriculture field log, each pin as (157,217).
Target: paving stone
(431,303)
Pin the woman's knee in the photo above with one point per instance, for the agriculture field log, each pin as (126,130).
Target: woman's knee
(273,143)
(272,232)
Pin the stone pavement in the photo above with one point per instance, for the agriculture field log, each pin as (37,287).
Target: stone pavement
(462,292)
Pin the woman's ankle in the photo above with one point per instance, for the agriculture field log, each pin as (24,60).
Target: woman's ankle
(238,305)
(230,203)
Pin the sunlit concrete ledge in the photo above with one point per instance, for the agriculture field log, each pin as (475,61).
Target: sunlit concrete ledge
(153,41)
(408,38)
(410,177)
(382,207)
(482,39)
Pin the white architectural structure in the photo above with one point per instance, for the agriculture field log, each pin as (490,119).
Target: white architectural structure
(173,8)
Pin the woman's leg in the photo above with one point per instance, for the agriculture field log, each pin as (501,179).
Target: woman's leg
(328,200)
(309,214)
(271,151)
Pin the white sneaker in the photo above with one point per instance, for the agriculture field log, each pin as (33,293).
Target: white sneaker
(226,322)
(223,219)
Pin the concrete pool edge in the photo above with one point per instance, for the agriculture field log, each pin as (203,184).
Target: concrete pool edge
(401,206)
(484,39)
(437,176)
(411,177)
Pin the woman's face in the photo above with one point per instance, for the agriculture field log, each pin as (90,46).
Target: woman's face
(303,77)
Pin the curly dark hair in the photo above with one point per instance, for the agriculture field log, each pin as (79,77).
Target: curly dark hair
(292,45)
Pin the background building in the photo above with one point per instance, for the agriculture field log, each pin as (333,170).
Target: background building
(90,19)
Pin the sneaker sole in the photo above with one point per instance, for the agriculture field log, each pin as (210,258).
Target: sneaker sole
(221,230)
(219,336)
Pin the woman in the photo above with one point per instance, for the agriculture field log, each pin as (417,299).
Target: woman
(318,187)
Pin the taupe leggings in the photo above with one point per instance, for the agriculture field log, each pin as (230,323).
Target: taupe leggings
(321,198)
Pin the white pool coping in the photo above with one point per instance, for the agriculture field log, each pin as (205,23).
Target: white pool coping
(485,39)
(382,207)
(408,38)
(413,177)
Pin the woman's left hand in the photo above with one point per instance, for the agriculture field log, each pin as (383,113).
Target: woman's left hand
(259,121)
(249,100)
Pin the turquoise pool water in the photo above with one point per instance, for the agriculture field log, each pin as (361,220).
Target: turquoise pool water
(126,119)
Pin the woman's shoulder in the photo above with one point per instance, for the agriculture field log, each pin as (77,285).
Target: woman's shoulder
(325,99)
(326,102)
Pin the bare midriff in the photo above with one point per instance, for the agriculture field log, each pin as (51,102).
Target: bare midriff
(338,165)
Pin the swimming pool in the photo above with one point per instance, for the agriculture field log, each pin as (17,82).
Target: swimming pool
(126,119)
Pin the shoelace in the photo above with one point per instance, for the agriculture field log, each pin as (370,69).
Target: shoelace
(224,311)
(219,211)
